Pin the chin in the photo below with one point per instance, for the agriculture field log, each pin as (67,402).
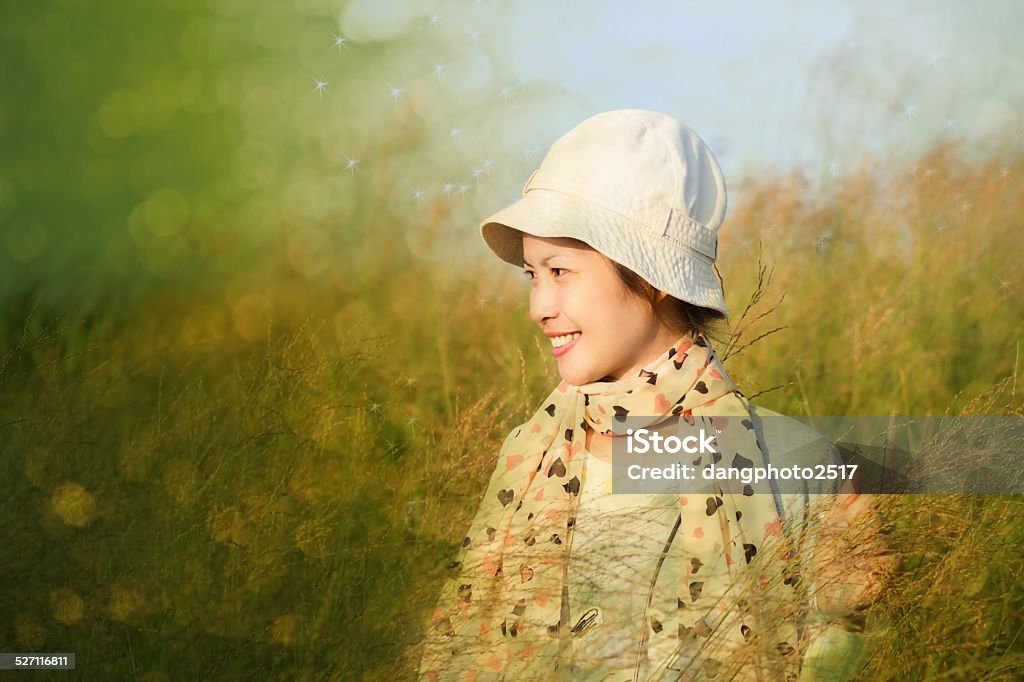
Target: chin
(576,377)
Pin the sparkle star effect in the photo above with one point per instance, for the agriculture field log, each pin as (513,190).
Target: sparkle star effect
(479,171)
(454,133)
(910,111)
(351,165)
(321,86)
(936,58)
(950,124)
(396,93)
(447,189)
(439,69)
(530,152)
(417,195)
(833,167)
(339,42)
(435,20)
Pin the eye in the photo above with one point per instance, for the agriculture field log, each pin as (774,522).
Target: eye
(558,272)
(528,274)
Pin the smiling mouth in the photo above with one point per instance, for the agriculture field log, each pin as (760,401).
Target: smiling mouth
(560,345)
(559,341)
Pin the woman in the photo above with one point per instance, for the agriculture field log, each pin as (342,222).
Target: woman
(558,577)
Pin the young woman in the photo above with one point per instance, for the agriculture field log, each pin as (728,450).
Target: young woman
(560,578)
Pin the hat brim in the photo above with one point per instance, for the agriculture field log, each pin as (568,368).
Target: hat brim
(548,213)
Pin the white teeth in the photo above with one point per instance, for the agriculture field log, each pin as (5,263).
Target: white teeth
(559,341)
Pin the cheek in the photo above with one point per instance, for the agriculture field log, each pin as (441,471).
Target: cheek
(595,314)
(633,314)
(638,325)
(613,324)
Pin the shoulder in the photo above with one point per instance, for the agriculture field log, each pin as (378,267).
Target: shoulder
(515,432)
(518,434)
(788,441)
(547,415)
(781,429)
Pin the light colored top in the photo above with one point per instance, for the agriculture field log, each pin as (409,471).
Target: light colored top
(609,580)
(609,577)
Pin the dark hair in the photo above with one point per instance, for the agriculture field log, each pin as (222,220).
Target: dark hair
(676,314)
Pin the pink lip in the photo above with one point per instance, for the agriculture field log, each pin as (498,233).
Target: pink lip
(562,350)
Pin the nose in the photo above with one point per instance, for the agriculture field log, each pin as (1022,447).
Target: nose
(543,303)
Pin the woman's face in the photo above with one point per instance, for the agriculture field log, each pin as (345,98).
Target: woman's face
(599,330)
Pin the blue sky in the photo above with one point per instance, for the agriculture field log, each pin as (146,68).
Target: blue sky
(820,88)
(791,84)
(785,83)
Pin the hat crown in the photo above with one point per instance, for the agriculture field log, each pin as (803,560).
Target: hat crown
(637,163)
(637,186)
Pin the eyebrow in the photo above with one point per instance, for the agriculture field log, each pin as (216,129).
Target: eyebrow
(544,260)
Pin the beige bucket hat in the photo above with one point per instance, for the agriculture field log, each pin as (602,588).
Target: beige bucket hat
(639,187)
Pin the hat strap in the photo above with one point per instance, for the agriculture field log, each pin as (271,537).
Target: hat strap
(681,227)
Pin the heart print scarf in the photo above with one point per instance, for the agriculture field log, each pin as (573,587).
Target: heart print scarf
(502,614)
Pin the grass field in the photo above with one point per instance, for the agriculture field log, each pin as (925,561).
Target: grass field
(265,473)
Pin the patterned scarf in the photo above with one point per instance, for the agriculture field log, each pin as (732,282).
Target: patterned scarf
(502,614)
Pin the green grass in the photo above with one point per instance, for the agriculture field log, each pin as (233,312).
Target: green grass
(261,475)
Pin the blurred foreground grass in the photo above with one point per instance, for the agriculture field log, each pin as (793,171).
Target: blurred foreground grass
(265,481)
